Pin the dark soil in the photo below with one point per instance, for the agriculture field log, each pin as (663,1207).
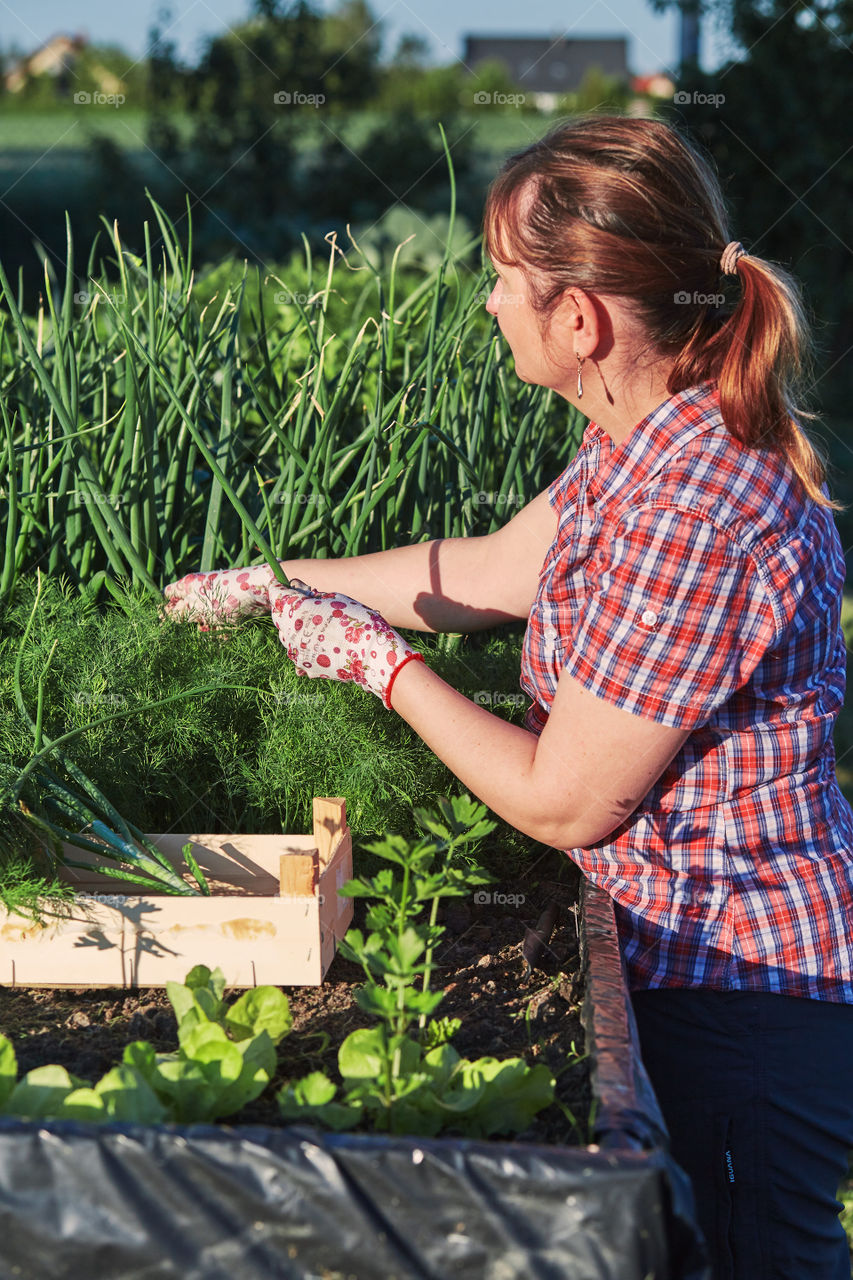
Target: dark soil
(479,964)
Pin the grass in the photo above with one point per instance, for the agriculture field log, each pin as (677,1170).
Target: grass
(70,128)
(846,1196)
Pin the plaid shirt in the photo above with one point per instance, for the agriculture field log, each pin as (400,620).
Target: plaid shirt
(693,582)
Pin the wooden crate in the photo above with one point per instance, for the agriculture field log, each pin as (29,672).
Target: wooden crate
(274,916)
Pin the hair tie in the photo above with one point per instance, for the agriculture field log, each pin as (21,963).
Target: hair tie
(732,252)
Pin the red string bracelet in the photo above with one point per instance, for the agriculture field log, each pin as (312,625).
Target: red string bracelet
(408,658)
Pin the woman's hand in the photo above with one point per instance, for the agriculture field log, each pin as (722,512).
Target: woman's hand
(328,634)
(213,599)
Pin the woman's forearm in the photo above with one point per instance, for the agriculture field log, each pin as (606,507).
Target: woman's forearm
(450,584)
(496,761)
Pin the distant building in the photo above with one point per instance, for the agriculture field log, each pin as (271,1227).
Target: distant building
(548,66)
(657,85)
(56,57)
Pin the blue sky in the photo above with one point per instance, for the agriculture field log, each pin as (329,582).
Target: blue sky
(652,39)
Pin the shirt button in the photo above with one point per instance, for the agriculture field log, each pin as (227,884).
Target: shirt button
(550,633)
(649,617)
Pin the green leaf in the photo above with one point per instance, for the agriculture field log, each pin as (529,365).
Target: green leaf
(195,870)
(208,1045)
(392,847)
(182,1000)
(422,1002)
(184,1089)
(363,1054)
(429,822)
(311,1098)
(511,1094)
(379,916)
(259,1009)
(40,1093)
(410,1054)
(141,1055)
(314,1090)
(8,1070)
(84,1104)
(379,1002)
(441,1063)
(438,1031)
(415,1117)
(127,1095)
(200,978)
(406,950)
(197,1001)
(367,952)
(234,1073)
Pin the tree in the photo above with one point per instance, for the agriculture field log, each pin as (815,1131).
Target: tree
(255,100)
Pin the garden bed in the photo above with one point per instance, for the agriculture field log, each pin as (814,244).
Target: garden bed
(270,1201)
(480,966)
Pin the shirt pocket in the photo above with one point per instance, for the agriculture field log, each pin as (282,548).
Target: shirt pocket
(553,645)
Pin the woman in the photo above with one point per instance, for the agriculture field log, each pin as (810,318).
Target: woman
(681,582)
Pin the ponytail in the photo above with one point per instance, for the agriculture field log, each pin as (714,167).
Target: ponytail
(625,206)
(757,357)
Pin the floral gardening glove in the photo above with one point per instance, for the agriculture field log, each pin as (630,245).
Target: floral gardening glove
(328,634)
(215,598)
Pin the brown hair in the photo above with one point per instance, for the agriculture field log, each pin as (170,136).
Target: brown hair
(626,206)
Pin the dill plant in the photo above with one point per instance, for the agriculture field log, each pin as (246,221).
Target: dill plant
(248,758)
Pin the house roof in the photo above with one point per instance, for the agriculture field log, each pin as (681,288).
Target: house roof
(549,64)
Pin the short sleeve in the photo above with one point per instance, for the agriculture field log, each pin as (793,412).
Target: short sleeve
(555,490)
(676,620)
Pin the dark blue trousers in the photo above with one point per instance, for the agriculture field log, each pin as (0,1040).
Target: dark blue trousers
(757,1093)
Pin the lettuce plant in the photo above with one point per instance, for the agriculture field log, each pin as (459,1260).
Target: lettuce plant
(225,1058)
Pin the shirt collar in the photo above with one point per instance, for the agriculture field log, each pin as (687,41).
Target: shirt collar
(664,432)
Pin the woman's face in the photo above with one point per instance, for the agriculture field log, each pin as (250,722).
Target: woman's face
(509,302)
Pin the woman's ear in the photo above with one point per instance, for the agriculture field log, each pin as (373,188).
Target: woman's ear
(574,328)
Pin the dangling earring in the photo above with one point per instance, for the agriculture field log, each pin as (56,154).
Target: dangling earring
(580,382)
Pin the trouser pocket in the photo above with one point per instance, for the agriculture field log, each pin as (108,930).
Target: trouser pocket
(725,1192)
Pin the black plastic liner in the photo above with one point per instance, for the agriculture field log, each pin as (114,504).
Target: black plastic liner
(246,1203)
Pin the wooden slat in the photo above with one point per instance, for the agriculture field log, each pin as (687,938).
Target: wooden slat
(330,820)
(149,943)
(298,874)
